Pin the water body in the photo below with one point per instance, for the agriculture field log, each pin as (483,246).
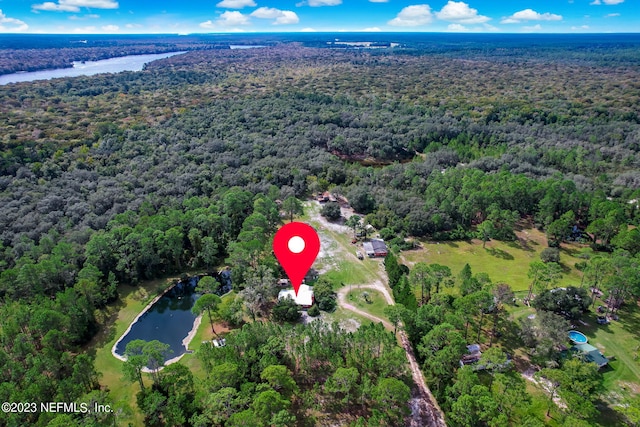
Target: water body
(88,68)
(169,320)
(245,46)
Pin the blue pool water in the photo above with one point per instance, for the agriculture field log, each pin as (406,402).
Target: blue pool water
(577,337)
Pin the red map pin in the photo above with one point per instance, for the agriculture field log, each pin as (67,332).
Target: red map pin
(296,246)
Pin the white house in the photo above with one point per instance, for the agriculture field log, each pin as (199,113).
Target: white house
(304,297)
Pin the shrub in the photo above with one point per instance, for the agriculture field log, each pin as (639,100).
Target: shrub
(550,255)
(286,310)
(314,311)
(331,211)
(324,295)
(387,233)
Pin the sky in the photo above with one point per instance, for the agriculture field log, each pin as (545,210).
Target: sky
(226,16)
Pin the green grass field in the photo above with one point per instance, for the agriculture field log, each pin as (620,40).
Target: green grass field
(619,339)
(506,262)
(620,342)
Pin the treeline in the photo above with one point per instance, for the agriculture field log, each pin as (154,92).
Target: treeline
(290,376)
(77,152)
(285,376)
(266,142)
(117,179)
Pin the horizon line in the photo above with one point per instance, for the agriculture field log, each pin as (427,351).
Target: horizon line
(240,33)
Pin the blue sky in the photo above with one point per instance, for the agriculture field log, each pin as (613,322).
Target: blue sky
(204,16)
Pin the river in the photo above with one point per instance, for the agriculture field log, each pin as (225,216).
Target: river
(88,68)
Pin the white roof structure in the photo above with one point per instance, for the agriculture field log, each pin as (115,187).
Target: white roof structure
(304,298)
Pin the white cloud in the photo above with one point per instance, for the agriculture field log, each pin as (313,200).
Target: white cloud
(308,30)
(607,2)
(282,17)
(288,17)
(318,3)
(236,4)
(460,12)
(50,6)
(227,19)
(371,29)
(457,28)
(379,1)
(530,15)
(266,12)
(132,26)
(582,27)
(413,16)
(75,5)
(532,28)
(110,28)
(11,25)
(611,15)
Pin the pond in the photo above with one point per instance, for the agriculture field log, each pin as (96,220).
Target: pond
(168,320)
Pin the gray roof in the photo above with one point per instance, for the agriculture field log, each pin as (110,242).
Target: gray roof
(591,354)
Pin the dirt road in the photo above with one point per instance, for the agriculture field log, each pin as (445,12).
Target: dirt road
(425,411)
(424,408)
(342,302)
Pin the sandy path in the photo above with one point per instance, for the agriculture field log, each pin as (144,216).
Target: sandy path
(342,302)
(425,411)
(424,408)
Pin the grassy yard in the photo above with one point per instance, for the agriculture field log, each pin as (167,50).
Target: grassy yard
(115,319)
(374,305)
(619,341)
(506,262)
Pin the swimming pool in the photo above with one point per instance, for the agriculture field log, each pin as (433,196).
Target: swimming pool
(577,337)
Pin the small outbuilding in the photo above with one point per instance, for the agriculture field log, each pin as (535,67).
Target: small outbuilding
(375,248)
(473,355)
(590,354)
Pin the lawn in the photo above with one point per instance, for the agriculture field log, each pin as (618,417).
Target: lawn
(619,339)
(506,262)
(337,256)
(375,304)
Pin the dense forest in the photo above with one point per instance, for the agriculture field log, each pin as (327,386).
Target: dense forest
(109,180)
